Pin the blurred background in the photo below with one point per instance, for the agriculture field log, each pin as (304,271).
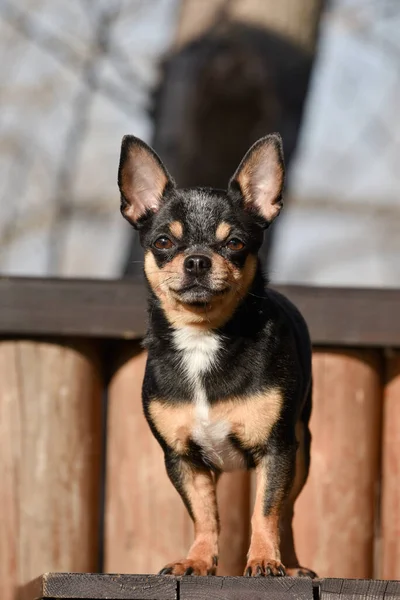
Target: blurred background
(83,484)
(201,81)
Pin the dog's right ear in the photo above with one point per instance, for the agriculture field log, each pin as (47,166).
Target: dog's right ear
(142,180)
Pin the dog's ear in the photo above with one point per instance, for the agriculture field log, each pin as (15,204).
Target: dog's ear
(260,178)
(142,180)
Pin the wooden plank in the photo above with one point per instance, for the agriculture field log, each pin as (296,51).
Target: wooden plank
(233,495)
(146,524)
(356,589)
(390,502)
(100,586)
(334,515)
(88,308)
(117,309)
(243,588)
(50,408)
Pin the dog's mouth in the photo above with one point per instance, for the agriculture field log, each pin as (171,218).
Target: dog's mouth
(198,295)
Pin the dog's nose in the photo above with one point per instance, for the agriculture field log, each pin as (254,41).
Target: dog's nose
(197,264)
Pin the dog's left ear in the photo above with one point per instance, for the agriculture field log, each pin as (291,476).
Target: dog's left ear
(260,178)
(142,180)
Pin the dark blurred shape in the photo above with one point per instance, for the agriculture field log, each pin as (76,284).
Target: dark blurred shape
(217,96)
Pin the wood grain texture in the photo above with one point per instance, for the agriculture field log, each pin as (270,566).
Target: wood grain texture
(50,409)
(100,586)
(390,502)
(146,524)
(233,494)
(335,514)
(117,309)
(357,589)
(242,588)
(149,587)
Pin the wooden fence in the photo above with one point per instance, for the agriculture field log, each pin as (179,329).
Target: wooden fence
(63,342)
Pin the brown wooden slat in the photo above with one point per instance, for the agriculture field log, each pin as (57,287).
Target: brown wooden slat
(335,513)
(390,534)
(50,447)
(100,586)
(94,308)
(75,307)
(233,495)
(245,588)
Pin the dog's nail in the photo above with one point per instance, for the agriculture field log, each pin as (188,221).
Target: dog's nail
(281,572)
(259,572)
(189,571)
(248,572)
(166,571)
(268,571)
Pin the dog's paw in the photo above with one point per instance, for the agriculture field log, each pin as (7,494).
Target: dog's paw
(190,567)
(260,567)
(300,572)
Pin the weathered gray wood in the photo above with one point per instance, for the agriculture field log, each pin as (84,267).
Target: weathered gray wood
(95,586)
(357,589)
(243,588)
(117,309)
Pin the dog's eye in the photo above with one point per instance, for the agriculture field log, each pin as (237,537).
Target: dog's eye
(163,243)
(235,245)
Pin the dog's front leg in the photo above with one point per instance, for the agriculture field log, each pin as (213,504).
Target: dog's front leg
(197,489)
(275,473)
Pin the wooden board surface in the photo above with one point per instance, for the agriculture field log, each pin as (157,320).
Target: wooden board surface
(358,589)
(233,496)
(245,588)
(50,408)
(334,522)
(345,317)
(100,586)
(90,586)
(390,535)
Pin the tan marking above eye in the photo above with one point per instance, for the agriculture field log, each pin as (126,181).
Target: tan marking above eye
(222,232)
(176,228)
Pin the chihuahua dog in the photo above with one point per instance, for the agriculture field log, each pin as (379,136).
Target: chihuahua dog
(228,376)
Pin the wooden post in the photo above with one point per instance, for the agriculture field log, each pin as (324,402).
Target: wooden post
(147,524)
(234,507)
(50,458)
(390,538)
(335,514)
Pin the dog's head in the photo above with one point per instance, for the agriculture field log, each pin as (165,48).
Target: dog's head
(201,244)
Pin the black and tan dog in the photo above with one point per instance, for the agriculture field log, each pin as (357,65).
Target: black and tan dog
(228,376)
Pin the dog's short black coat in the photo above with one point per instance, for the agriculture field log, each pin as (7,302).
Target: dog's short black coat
(228,376)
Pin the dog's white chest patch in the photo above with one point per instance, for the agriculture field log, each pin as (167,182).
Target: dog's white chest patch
(200,351)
